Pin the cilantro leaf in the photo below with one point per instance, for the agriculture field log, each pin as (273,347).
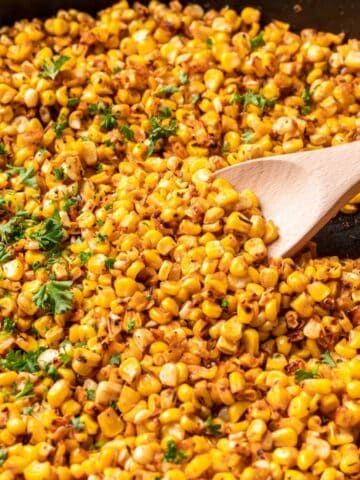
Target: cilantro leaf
(8,325)
(173,454)
(90,394)
(55,295)
(131,325)
(51,371)
(27,410)
(84,257)
(194,98)
(14,229)
(328,359)
(307,99)
(3,456)
(114,360)
(251,98)
(3,150)
(27,391)
(126,132)
(248,136)
(301,375)
(209,42)
(257,41)
(214,428)
(184,80)
(73,102)
(158,131)
(21,361)
(59,173)
(50,233)
(108,118)
(224,303)
(51,70)
(109,263)
(5,255)
(109,143)
(78,424)
(59,127)
(166,91)
(27,176)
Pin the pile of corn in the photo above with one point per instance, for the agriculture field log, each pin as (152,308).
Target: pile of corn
(144,333)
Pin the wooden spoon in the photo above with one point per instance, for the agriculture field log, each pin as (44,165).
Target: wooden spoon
(300,191)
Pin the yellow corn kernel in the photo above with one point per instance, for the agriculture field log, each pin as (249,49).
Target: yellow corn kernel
(37,471)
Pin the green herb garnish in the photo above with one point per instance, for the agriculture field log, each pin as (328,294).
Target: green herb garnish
(51,70)
(166,91)
(328,359)
(109,263)
(73,102)
(224,303)
(27,391)
(8,325)
(307,99)
(159,131)
(84,257)
(59,127)
(173,454)
(114,360)
(78,424)
(59,173)
(27,176)
(251,98)
(126,132)
(215,428)
(131,325)
(56,296)
(3,456)
(50,233)
(248,136)
(257,41)
(209,42)
(90,394)
(184,80)
(20,361)
(301,375)
(5,255)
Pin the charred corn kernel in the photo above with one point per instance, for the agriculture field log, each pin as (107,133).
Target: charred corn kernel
(58,393)
(37,471)
(318,291)
(198,466)
(285,437)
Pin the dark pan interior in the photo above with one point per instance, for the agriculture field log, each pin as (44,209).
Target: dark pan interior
(342,235)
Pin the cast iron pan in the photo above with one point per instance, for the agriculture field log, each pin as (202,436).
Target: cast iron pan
(342,235)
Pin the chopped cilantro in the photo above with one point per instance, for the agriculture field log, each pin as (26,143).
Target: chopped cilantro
(59,127)
(116,70)
(73,102)
(109,143)
(108,118)
(59,173)
(158,131)
(90,394)
(27,391)
(114,360)
(108,207)
(14,229)
(50,233)
(70,202)
(209,42)
(328,359)
(257,41)
(126,132)
(109,263)
(51,371)
(224,303)
(36,265)
(214,428)
(301,375)
(27,410)
(251,98)
(194,98)
(55,295)
(3,150)
(84,257)
(51,70)
(5,255)
(64,358)
(173,454)
(78,424)
(131,325)
(248,136)
(8,325)
(184,80)
(166,91)
(3,456)
(164,112)
(307,99)
(21,361)
(27,176)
